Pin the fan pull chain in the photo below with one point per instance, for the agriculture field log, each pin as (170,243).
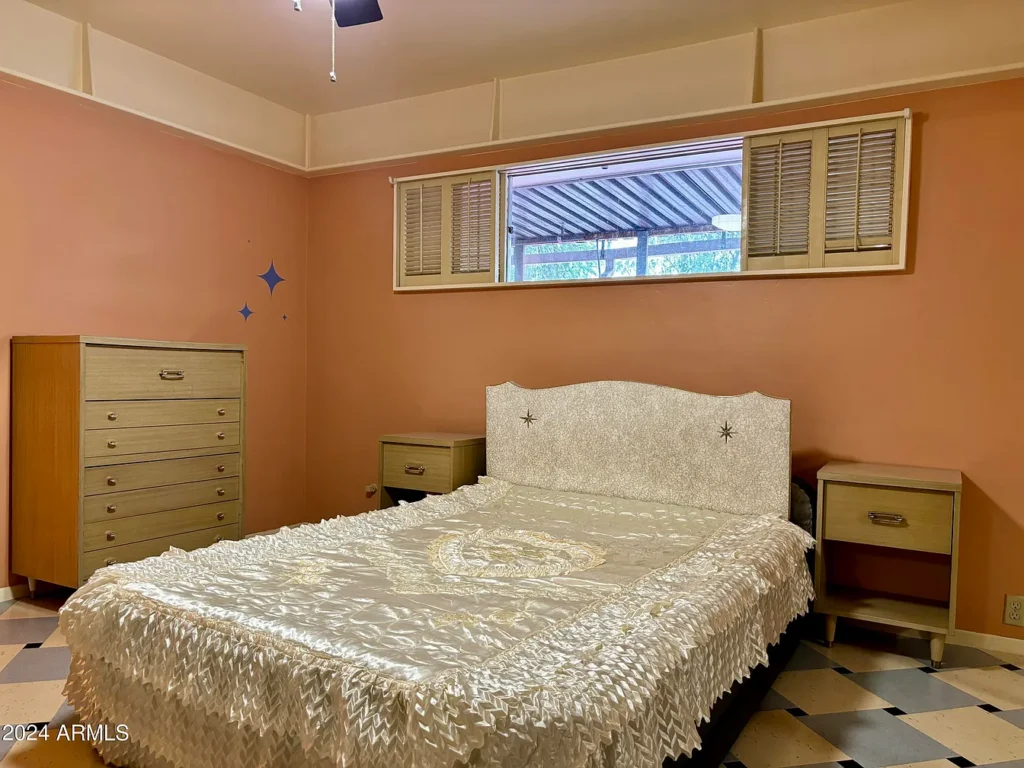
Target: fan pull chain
(334,77)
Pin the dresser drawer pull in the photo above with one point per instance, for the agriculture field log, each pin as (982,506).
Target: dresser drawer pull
(111,481)
(111,443)
(221,411)
(885,518)
(112,416)
(168,374)
(221,491)
(220,515)
(221,467)
(111,561)
(220,435)
(415,469)
(218,539)
(111,509)
(111,535)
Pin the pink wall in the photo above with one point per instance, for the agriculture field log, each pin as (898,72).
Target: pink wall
(919,368)
(111,226)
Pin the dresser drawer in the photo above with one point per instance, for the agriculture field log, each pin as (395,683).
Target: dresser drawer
(127,553)
(112,506)
(111,414)
(119,373)
(119,442)
(128,530)
(418,468)
(150,474)
(889,517)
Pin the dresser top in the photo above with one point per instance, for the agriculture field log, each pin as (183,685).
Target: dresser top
(113,341)
(440,439)
(892,475)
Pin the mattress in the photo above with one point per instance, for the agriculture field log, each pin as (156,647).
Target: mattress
(501,625)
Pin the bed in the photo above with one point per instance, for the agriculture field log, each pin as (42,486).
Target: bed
(627,560)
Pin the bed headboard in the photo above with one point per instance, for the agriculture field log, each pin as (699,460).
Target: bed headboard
(642,441)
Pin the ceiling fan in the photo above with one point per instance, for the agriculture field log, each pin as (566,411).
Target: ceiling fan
(348,13)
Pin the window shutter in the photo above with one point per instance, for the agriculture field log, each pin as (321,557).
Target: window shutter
(446,230)
(863,185)
(778,172)
(473,240)
(420,224)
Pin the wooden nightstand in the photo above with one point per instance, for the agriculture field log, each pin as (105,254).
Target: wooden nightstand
(907,521)
(415,464)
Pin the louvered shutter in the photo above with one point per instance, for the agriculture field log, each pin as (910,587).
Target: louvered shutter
(473,238)
(863,193)
(778,196)
(446,230)
(420,232)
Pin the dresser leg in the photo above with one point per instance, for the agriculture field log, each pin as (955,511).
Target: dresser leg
(31,587)
(830,629)
(938,644)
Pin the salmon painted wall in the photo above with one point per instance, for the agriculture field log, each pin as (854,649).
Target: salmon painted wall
(111,226)
(918,368)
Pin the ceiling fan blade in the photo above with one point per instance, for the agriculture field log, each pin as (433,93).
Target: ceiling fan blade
(351,13)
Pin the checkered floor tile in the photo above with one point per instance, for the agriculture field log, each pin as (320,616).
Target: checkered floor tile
(879,703)
(872,703)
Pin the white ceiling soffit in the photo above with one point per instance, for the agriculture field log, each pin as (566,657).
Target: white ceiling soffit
(913,45)
(422,46)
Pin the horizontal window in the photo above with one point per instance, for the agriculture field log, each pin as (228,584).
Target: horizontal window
(826,197)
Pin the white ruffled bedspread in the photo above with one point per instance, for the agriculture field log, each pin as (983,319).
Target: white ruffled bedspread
(500,625)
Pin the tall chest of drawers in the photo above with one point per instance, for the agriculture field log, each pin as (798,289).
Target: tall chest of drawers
(121,449)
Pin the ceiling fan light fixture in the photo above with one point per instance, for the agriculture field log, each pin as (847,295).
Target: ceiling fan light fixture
(352,13)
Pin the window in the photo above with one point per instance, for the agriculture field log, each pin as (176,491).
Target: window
(627,217)
(821,197)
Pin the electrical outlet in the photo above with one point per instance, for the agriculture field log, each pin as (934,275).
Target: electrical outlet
(1014,612)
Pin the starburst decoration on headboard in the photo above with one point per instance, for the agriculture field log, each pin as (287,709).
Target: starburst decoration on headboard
(726,432)
(529,418)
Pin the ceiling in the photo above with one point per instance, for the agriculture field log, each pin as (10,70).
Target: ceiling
(422,46)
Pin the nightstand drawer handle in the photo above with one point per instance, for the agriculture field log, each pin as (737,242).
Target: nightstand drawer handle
(220,515)
(221,411)
(111,481)
(172,375)
(111,509)
(111,443)
(220,435)
(111,561)
(415,469)
(885,518)
(111,536)
(112,416)
(221,467)
(221,491)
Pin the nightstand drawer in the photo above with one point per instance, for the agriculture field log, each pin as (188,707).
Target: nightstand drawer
(418,468)
(889,517)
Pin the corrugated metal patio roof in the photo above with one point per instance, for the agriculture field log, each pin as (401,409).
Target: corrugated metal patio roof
(614,206)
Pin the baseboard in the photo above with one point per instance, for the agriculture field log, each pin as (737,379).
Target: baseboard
(13,592)
(988,642)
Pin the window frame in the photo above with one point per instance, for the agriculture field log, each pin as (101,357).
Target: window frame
(901,210)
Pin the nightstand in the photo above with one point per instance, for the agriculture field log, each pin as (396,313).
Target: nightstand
(902,525)
(415,464)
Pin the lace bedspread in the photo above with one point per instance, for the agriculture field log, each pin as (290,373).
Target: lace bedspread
(500,625)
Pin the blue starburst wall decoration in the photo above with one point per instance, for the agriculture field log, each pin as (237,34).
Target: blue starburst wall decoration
(272,278)
(245,311)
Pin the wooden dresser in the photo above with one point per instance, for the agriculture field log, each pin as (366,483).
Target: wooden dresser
(414,464)
(884,533)
(121,449)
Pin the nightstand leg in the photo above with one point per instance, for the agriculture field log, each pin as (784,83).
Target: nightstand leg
(830,629)
(938,646)
(31,587)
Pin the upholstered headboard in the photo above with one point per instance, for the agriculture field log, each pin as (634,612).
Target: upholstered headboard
(642,441)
